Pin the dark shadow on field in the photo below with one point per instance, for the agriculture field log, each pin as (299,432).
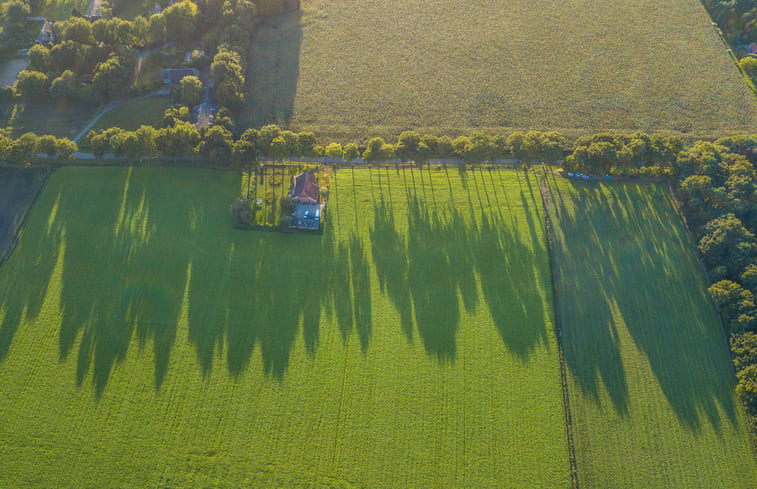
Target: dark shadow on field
(107,285)
(624,261)
(18,187)
(432,271)
(17,190)
(138,290)
(121,262)
(262,302)
(274,68)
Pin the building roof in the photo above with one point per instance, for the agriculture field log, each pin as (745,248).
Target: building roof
(305,189)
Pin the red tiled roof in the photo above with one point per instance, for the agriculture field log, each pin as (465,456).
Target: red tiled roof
(305,189)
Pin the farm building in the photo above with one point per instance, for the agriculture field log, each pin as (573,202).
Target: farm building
(306,196)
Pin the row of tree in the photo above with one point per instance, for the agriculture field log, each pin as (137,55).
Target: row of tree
(716,185)
(22,150)
(229,148)
(623,155)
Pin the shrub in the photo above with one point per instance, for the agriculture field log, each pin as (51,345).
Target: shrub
(747,387)
(284,222)
(241,212)
(287,206)
(744,350)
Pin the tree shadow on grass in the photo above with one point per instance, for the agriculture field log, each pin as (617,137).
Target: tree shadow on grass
(433,270)
(139,289)
(508,281)
(102,280)
(274,288)
(26,285)
(624,262)
(274,64)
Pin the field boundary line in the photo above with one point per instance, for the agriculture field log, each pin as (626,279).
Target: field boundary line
(558,334)
(22,224)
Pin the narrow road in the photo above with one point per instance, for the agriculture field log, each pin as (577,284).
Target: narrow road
(114,104)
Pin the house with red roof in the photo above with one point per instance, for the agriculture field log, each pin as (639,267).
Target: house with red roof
(306,196)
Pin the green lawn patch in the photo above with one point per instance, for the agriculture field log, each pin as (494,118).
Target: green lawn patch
(10,66)
(144,342)
(59,9)
(367,67)
(651,385)
(60,120)
(147,111)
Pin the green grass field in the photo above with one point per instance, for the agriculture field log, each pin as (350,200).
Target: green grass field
(18,188)
(365,67)
(60,120)
(146,343)
(147,111)
(649,374)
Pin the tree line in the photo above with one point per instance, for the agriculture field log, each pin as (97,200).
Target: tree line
(21,150)
(737,19)
(715,182)
(223,146)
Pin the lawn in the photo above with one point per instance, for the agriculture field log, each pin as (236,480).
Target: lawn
(10,66)
(60,120)
(146,343)
(18,188)
(650,379)
(351,69)
(59,9)
(147,111)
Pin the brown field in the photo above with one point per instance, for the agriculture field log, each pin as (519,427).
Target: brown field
(348,69)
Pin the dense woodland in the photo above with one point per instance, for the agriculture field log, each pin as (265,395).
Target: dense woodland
(736,18)
(98,61)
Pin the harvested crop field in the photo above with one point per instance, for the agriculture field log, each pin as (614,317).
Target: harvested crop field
(650,379)
(366,67)
(144,342)
(18,188)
